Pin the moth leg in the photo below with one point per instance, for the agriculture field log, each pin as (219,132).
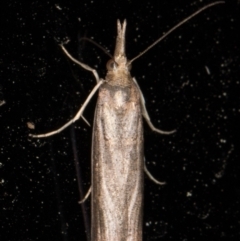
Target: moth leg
(86,196)
(85,120)
(80,63)
(146,116)
(83,66)
(77,116)
(150,175)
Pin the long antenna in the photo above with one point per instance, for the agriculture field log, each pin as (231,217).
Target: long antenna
(175,27)
(98,45)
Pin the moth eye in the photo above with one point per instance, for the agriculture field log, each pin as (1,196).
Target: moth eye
(111,64)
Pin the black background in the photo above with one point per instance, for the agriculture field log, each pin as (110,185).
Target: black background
(190,82)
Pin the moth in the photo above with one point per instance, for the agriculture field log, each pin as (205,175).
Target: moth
(117,160)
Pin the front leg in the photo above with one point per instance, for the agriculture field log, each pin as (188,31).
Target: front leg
(77,116)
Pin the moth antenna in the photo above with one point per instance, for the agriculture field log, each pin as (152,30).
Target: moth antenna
(98,45)
(175,27)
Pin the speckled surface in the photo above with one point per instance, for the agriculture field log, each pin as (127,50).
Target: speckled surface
(190,82)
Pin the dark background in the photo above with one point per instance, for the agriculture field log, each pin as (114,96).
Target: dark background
(190,82)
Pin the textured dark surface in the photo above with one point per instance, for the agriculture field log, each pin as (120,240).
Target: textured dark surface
(190,82)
